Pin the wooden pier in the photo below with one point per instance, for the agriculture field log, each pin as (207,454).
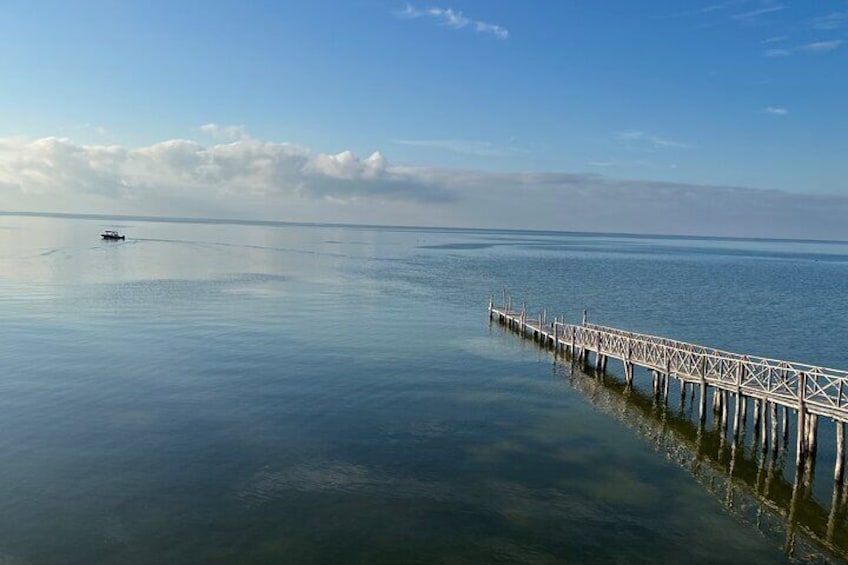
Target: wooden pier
(781,391)
(753,489)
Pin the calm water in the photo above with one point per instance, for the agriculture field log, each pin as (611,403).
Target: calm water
(212,393)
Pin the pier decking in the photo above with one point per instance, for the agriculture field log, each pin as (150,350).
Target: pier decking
(776,388)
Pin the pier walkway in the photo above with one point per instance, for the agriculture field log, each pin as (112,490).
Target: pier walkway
(776,388)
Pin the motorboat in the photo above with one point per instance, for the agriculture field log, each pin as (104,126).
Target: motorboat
(111,234)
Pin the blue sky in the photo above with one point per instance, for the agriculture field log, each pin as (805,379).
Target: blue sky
(647,97)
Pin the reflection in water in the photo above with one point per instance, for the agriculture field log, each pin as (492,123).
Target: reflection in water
(752,488)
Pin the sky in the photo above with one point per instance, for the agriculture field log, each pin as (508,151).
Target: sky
(658,116)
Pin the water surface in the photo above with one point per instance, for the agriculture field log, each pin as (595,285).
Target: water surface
(324,394)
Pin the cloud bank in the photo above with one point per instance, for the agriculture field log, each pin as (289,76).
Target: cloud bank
(253,179)
(183,167)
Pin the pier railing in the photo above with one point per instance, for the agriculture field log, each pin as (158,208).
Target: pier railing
(809,391)
(824,391)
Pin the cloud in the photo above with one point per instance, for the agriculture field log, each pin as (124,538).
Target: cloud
(775,39)
(228,133)
(463,146)
(696,11)
(454,19)
(821,47)
(776,110)
(496,30)
(647,140)
(777,52)
(247,167)
(255,179)
(813,48)
(754,14)
(830,22)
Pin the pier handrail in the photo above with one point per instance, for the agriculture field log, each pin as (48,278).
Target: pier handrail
(825,390)
(821,390)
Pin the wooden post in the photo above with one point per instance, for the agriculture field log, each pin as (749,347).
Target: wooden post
(573,337)
(541,326)
(773,418)
(666,376)
(724,397)
(702,408)
(585,317)
(562,333)
(756,416)
(812,440)
(764,442)
(839,469)
(523,323)
(785,424)
(599,358)
(556,337)
(737,414)
(801,440)
(491,305)
(740,398)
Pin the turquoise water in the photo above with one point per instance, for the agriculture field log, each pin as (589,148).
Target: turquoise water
(214,393)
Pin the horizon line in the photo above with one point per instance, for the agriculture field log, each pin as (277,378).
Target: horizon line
(287,223)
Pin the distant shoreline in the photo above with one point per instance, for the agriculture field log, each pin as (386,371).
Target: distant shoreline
(281,223)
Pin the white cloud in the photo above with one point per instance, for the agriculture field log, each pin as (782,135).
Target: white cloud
(775,39)
(830,22)
(250,178)
(697,11)
(227,133)
(754,14)
(776,110)
(777,52)
(247,167)
(647,140)
(454,19)
(821,47)
(813,48)
(496,30)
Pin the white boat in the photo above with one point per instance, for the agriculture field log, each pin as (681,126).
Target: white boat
(111,234)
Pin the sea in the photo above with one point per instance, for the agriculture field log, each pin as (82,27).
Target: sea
(208,391)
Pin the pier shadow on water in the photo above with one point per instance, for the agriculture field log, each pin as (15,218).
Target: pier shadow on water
(752,486)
